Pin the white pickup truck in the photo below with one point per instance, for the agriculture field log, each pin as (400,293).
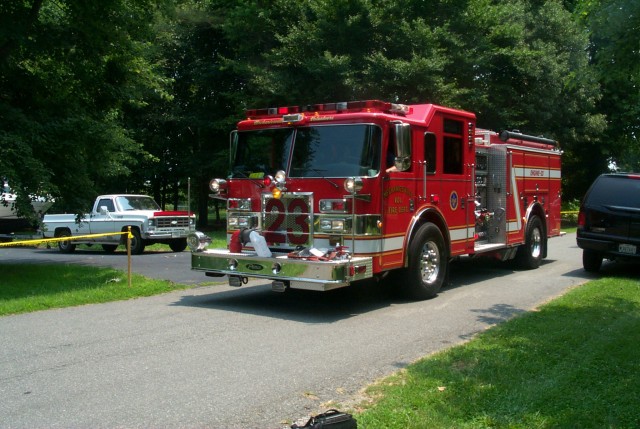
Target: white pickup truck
(116,213)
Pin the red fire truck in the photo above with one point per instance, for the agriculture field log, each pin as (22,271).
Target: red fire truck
(321,196)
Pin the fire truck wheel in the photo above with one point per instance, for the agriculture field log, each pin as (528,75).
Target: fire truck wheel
(529,255)
(427,263)
(65,246)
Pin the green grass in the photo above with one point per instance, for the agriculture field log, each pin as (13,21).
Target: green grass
(575,363)
(27,288)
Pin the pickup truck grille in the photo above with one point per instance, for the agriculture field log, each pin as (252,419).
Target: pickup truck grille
(172,222)
(288,220)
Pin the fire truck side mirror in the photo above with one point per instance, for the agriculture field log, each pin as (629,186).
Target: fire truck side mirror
(402,146)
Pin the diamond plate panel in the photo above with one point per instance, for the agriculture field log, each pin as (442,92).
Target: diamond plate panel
(288,220)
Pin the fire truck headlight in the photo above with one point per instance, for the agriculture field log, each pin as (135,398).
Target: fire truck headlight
(235,221)
(244,204)
(280,178)
(335,225)
(325,205)
(217,185)
(198,241)
(353,185)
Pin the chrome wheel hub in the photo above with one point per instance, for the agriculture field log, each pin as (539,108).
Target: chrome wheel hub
(430,262)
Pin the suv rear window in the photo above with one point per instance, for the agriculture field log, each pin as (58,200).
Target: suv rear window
(623,191)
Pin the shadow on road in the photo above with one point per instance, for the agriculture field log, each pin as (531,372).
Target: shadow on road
(327,307)
(296,305)
(616,269)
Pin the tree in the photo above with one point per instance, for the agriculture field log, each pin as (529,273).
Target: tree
(188,136)
(517,64)
(614,32)
(68,71)
(527,67)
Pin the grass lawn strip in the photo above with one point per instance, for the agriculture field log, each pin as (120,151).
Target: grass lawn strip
(27,288)
(573,363)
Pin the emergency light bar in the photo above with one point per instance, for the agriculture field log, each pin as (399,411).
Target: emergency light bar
(342,107)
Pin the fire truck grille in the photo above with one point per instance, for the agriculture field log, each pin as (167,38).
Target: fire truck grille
(287,221)
(172,222)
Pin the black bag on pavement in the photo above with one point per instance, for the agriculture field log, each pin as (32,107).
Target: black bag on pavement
(330,419)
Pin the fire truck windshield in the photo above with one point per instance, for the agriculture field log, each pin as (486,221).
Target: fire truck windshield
(318,151)
(260,152)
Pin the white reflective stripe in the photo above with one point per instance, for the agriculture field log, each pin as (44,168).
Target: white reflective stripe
(461,233)
(393,243)
(368,247)
(533,173)
(516,203)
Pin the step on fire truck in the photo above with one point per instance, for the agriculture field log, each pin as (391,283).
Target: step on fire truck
(321,196)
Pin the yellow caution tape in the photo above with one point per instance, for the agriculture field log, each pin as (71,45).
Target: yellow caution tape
(67,238)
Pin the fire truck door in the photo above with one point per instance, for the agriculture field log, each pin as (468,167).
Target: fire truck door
(537,177)
(399,197)
(457,187)
(398,206)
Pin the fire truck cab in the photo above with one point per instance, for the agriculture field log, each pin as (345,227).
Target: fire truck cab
(321,196)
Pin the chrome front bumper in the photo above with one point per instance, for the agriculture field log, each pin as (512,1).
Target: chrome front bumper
(294,273)
(166,234)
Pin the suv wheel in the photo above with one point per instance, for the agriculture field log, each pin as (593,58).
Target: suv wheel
(591,260)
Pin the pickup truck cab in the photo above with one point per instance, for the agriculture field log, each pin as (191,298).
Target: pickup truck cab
(116,213)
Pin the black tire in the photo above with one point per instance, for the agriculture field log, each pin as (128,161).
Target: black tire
(591,260)
(178,245)
(428,263)
(530,254)
(109,248)
(137,243)
(66,246)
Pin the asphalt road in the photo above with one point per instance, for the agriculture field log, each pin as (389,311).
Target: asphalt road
(220,357)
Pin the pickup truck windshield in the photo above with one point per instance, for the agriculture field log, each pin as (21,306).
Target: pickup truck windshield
(136,203)
(316,151)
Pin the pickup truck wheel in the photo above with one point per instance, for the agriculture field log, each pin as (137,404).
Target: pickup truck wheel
(137,243)
(427,263)
(65,246)
(178,245)
(109,248)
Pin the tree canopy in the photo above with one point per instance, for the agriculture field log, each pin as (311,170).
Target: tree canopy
(140,95)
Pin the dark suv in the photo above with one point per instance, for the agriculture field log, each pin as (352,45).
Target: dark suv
(609,220)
